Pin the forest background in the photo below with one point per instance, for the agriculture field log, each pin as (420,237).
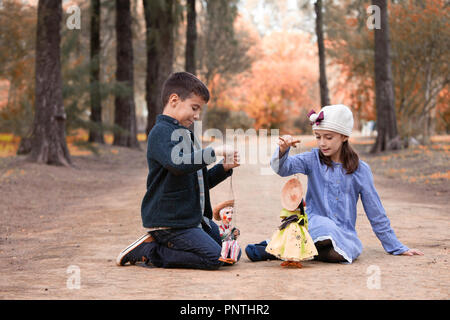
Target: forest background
(259,59)
(79,91)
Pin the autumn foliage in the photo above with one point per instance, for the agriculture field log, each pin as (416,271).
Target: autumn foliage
(17,58)
(419,38)
(281,83)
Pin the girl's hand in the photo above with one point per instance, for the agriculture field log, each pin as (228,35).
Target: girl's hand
(412,252)
(285,142)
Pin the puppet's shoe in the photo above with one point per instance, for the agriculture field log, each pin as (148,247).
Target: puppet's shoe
(135,252)
(294,264)
(227,260)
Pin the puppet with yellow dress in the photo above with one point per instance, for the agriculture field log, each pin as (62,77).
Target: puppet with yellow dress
(292,242)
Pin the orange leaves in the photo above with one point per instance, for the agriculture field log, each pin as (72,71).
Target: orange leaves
(4,88)
(279,83)
(365,141)
(7,137)
(11,173)
(412,179)
(10,143)
(401,170)
(423,178)
(351,22)
(8,173)
(413,176)
(417,164)
(440,175)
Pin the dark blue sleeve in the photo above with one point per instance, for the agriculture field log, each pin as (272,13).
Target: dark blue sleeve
(173,150)
(217,174)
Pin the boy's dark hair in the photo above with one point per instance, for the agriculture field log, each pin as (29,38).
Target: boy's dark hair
(183,84)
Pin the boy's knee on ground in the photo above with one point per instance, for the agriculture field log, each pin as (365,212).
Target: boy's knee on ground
(215,266)
(213,261)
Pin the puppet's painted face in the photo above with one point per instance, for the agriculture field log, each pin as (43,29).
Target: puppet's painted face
(226,215)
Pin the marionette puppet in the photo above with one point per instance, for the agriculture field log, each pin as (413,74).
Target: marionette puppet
(229,234)
(292,242)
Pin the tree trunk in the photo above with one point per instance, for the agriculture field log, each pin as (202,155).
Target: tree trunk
(166,46)
(160,28)
(125,111)
(324,97)
(49,136)
(429,106)
(387,137)
(191,37)
(96,133)
(151,93)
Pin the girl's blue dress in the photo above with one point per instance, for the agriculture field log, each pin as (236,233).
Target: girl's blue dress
(331,200)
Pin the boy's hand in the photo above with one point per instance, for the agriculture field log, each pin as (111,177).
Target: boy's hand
(231,156)
(224,150)
(285,142)
(231,161)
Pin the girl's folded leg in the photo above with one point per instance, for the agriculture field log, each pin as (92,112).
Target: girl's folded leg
(327,252)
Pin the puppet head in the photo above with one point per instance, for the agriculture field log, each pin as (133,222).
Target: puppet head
(225,206)
(291,194)
(226,215)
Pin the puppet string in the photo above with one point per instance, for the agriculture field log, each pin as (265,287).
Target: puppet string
(232,197)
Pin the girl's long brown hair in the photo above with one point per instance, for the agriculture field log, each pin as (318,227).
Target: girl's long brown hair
(349,157)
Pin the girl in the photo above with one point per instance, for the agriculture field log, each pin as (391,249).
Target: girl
(336,179)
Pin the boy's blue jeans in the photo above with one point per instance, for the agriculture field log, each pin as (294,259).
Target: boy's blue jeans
(195,248)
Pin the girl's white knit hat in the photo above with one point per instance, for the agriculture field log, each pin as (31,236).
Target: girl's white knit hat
(337,118)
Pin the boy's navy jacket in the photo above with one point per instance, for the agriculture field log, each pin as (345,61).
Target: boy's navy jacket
(172,198)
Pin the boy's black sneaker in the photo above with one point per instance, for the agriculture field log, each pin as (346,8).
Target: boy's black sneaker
(134,253)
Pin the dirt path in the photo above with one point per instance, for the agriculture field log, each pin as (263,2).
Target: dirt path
(43,235)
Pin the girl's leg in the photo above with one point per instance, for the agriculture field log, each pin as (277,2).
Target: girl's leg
(327,252)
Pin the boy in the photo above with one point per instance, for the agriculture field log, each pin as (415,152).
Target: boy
(176,209)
